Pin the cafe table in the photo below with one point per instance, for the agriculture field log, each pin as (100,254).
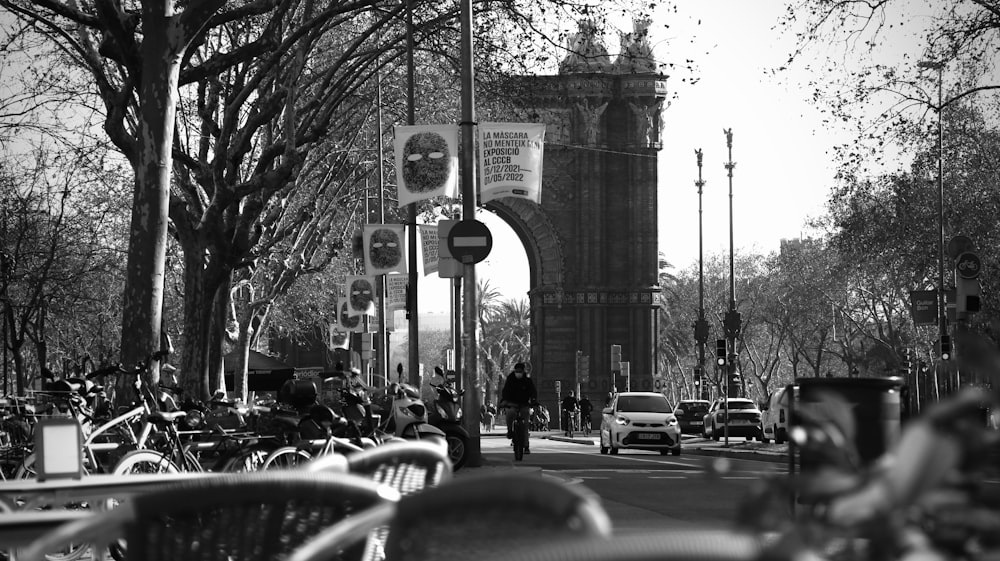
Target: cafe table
(29,508)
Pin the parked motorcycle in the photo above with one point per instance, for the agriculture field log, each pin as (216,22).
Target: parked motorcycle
(407,415)
(447,416)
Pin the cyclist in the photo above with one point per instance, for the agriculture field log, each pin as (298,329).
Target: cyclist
(518,393)
(570,406)
(586,408)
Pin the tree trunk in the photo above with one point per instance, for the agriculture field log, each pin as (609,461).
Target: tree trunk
(218,336)
(143,299)
(199,307)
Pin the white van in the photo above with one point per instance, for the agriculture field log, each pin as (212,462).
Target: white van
(775,417)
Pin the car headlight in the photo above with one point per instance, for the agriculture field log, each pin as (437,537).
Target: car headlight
(622,420)
(671,421)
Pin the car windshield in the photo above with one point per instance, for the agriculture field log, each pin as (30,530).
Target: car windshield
(741,405)
(692,409)
(643,403)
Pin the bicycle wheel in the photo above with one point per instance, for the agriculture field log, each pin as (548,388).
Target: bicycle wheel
(287,457)
(144,461)
(251,459)
(518,440)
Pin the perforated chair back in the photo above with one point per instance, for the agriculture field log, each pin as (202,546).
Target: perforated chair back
(466,517)
(247,516)
(408,467)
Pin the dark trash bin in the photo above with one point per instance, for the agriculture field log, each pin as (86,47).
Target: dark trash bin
(874,407)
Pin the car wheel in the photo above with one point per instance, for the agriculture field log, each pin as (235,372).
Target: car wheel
(676,451)
(604,449)
(766,439)
(614,451)
(715,432)
(779,436)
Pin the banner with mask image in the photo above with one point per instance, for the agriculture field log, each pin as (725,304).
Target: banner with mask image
(429,247)
(360,290)
(510,160)
(337,337)
(348,323)
(426,162)
(385,249)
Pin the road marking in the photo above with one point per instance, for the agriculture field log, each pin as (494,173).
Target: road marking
(639,459)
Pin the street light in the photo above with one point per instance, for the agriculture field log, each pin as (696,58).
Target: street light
(942,319)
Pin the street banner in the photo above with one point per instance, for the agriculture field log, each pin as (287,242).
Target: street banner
(426,162)
(349,323)
(429,247)
(924,307)
(510,160)
(385,249)
(395,290)
(338,337)
(360,290)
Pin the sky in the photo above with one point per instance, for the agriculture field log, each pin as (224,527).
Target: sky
(782,150)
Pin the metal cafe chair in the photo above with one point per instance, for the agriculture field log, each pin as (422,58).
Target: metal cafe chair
(464,518)
(256,516)
(409,467)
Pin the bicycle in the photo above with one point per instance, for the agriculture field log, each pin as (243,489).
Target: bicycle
(570,423)
(519,430)
(586,424)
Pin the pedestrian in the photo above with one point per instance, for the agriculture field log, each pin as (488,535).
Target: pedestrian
(487,414)
(607,400)
(518,393)
(570,407)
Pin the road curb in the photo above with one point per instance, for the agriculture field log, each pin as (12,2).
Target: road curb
(561,438)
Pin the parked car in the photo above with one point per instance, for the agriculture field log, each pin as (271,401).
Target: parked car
(744,419)
(690,415)
(640,420)
(775,417)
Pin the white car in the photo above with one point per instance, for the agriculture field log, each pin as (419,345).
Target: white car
(640,420)
(776,416)
(744,419)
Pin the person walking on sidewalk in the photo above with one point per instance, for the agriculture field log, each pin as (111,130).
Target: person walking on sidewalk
(570,407)
(517,394)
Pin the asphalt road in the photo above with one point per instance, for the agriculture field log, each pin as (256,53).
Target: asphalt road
(643,490)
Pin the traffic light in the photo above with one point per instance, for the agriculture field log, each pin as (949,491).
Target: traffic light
(945,347)
(720,352)
(732,324)
(697,377)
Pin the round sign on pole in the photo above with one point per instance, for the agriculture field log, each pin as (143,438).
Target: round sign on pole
(470,241)
(968,265)
(959,245)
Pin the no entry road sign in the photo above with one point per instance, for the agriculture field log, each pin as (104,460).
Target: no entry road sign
(470,241)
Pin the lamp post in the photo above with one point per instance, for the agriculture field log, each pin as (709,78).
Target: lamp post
(942,318)
(701,326)
(733,320)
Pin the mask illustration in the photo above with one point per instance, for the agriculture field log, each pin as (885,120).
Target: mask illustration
(338,338)
(384,249)
(361,295)
(348,322)
(426,162)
